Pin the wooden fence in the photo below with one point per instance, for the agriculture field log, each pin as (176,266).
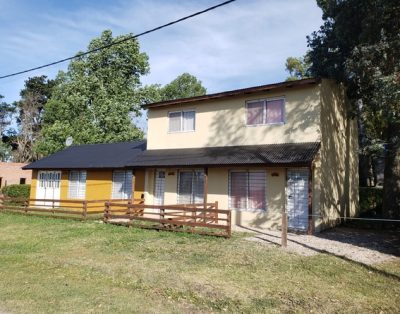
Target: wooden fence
(75,209)
(201,218)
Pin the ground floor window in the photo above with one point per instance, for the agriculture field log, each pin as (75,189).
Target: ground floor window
(247,190)
(190,186)
(77,184)
(122,184)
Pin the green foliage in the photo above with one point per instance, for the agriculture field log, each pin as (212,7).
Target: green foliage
(371,200)
(5,151)
(17,190)
(94,101)
(6,111)
(34,95)
(359,46)
(298,68)
(184,86)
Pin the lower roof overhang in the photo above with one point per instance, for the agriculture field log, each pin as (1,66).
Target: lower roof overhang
(270,155)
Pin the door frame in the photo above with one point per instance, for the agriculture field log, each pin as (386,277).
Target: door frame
(38,188)
(310,221)
(155,185)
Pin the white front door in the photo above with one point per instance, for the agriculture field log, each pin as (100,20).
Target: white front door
(48,187)
(297,199)
(159,187)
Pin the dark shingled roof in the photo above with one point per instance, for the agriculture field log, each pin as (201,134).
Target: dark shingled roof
(92,156)
(272,154)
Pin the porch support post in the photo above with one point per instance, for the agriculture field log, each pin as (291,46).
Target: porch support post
(133,186)
(284,215)
(310,205)
(205,187)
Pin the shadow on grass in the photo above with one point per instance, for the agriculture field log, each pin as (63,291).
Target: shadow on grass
(322,251)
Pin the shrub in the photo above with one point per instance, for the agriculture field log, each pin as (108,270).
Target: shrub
(17,190)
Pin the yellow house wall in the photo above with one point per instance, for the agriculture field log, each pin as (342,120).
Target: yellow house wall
(218,191)
(33,184)
(339,157)
(98,186)
(223,122)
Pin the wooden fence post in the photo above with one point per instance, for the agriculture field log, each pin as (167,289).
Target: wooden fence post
(229,218)
(84,212)
(106,211)
(284,229)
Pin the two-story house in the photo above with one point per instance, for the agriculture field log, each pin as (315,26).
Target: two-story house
(257,151)
(262,149)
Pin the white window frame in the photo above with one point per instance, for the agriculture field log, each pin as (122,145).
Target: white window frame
(265,210)
(181,124)
(127,193)
(265,101)
(80,185)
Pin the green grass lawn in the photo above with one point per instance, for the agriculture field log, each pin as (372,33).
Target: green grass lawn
(54,265)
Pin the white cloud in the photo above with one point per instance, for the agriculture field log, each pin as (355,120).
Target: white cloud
(239,45)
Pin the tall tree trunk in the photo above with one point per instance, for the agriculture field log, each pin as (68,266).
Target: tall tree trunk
(391,185)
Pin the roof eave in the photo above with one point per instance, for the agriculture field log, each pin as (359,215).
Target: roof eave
(233,93)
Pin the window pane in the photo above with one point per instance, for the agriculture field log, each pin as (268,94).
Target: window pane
(175,121)
(188,121)
(275,111)
(82,185)
(122,185)
(257,190)
(255,112)
(198,187)
(77,184)
(238,190)
(185,187)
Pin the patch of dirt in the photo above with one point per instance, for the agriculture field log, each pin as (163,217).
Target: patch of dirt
(363,246)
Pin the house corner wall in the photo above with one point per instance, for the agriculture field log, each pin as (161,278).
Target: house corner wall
(339,157)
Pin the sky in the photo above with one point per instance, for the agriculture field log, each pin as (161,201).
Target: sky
(242,44)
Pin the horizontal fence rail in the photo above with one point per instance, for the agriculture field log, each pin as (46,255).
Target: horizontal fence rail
(202,218)
(76,209)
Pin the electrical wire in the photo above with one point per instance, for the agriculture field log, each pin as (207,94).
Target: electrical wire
(120,41)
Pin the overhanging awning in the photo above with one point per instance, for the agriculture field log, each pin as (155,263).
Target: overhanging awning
(286,154)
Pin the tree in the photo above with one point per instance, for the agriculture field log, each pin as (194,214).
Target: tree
(359,46)
(94,101)
(298,68)
(184,86)
(6,111)
(34,97)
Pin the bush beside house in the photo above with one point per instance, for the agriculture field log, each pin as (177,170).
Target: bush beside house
(17,190)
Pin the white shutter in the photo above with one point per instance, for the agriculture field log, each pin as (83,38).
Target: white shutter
(188,120)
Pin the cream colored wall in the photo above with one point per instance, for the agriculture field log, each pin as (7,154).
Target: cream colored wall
(218,191)
(339,156)
(223,122)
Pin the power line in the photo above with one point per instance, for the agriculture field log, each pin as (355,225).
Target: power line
(120,41)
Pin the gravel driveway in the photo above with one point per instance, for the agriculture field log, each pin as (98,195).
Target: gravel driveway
(363,246)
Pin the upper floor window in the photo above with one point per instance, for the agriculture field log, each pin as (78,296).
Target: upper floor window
(265,111)
(182,121)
